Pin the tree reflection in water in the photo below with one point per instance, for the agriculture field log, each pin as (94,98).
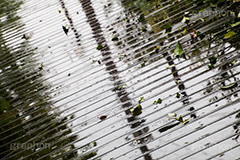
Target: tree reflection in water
(25,106)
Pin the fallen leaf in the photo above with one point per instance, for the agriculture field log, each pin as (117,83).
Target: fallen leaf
(159,101)
(99,47)
(180,119)
(213,60)
(185,30)
(178,50)
(177,95)
(210,66)
(171,66)
(233,62)
(185,19)
(137,110)
(221,155)
(157,48)
(27,36)
(115,39)
(103,117)
(229,34)
(141,100)
(186,121)
(120,87)
(41,67)
(235,24)
(65,29)
(195,34)
(233,85)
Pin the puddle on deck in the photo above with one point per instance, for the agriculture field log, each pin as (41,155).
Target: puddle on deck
(71,71)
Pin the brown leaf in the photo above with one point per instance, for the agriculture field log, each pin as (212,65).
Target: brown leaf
(103,117)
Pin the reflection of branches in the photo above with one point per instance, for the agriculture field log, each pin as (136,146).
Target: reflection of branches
(236,127)
(15,128)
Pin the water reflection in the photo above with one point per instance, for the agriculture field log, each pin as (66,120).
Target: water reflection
(198,49)
(29,128)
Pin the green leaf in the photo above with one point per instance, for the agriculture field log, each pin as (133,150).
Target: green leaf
(185,19)
(180,119)
(141,100)
(137,110)
(233,62)
(177,95)
(171,66)
(233,85)
(235,24)
(120,87)
(41,67)
(115,39)
(185,30)
(229,34)
(144,63)
(213,60)
(99,47)
(178,50)
(186,121)
(211,66)
(159,101)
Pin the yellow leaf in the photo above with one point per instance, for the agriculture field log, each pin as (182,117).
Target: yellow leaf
(229,34)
